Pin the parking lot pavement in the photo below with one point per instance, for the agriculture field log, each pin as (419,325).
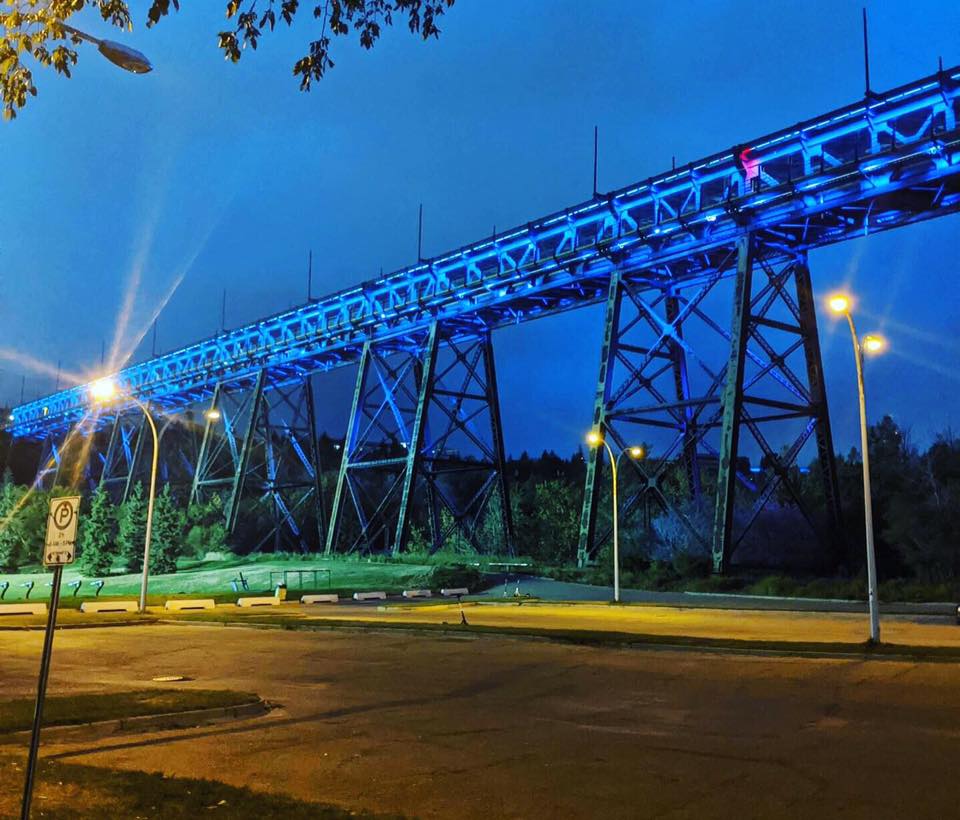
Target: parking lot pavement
(453,726)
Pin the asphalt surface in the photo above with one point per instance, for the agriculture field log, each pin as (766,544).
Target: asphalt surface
(456,726)
(549,590)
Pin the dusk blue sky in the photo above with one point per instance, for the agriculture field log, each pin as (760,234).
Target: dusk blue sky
(229,175)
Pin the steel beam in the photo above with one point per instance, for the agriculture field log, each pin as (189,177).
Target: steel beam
(826,457)
(349,444)
(314,456)
(232,507)
(681,380)
(500,459)
(608,352)
(415,441)
(732,403)
(48,468)
(205,443)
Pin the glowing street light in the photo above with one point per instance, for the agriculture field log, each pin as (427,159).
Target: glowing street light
(129,59)
(212,414)
(874,344)
(595,439)
(103,391)
(841,304)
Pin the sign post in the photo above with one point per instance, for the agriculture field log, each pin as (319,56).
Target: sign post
(58,551)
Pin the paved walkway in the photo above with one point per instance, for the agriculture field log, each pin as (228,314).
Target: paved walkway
(550,590)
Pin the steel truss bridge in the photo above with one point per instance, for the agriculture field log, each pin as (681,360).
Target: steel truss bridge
(733,230)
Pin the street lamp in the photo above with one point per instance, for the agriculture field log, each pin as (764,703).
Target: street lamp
(129,59)
(841,305)
(594,439)
(103,391)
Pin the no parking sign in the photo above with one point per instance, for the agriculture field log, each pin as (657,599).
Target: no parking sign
(59,548)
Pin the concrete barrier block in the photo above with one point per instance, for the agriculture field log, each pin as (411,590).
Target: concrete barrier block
(25,608)
(449,593)
(369,596)
(319,599)
(109,606)
(264,601)
(180,604)
(417,593)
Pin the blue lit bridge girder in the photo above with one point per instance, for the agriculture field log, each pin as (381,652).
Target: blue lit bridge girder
(880,163)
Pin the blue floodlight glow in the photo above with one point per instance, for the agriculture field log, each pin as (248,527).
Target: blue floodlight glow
(566,257)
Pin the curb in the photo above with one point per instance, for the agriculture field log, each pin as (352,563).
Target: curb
(750,603)
(141,723)
(144,621)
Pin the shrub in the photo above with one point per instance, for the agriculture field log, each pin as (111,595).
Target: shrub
(454,575)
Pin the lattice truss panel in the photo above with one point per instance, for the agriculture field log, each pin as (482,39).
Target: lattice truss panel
(462,454)
(49,464)
(424,449)
(71,459)
(123,454)
(712,400)
(259,453)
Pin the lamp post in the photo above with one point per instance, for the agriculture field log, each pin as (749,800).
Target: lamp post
(102,391)
(841,305)
(594,439)
(129,59)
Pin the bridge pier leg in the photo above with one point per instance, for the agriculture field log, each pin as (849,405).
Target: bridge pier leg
(689,395)
(263,450)
(424,448)
(826,455)
(591,491)
(732,404)
(778,316)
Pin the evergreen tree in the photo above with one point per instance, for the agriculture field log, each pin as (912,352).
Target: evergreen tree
(98,535)
(132,529)
(12,552)
(167,542)
(206,529)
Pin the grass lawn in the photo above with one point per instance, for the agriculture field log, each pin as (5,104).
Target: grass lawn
(213,579)
(68,790)
(69,710)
